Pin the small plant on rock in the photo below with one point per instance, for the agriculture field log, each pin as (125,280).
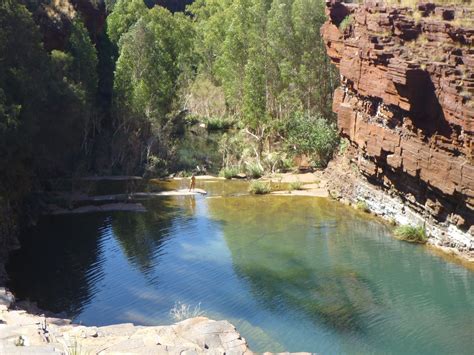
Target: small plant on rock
(260,188)
(362,206)
(182,311)
(412,234)
(348,20)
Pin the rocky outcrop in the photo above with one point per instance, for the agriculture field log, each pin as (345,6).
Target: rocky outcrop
(26,333)
(405,103)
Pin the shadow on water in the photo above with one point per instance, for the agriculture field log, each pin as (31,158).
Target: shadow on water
(57,261)
(141,235)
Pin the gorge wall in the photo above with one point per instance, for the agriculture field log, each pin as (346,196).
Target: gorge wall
(405,104)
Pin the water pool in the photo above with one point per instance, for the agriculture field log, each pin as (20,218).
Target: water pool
(291,273)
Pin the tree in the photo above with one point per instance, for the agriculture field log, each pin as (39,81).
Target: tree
(124,15)
(155,57)
(312,136)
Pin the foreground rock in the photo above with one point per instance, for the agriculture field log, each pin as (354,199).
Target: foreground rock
(24,333)
(406,106)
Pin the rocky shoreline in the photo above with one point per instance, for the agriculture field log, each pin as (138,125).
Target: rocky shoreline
(347,185)
(23,332)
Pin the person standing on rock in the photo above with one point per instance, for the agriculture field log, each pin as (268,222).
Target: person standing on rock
(192,185)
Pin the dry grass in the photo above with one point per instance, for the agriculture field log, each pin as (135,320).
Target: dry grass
(182,311)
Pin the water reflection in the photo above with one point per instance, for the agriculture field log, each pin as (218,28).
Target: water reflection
(58,260)
(141,235)
(276,269)
(342,272)
(292,273)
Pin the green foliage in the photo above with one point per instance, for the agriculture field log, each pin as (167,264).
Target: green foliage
(125,14)
(260,187)
(343,145)
(156,167)
(45,100)
(362,206)
(83,68)
(232,147)
(296,185)
(412,234)
(348,20)
(254,170)
(229,172)
(277,161)
(312,136)
(268,57)
(155,56)
(205,99)
(219,123)
(254,101)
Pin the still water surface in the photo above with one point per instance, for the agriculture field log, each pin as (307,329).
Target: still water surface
(291,273)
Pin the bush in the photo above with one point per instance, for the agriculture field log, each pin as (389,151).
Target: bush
(412,234)
(313,136)
(260,188)
(362,206)
(156,167)
(277,161)
(229,172)
(296,185)
(254,170)
(218,123)
(343,145)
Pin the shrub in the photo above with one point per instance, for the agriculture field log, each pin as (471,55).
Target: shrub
(156,167)
(412,234)
(219,123)
(254,170)
(182,311)
(277,161)
(312,136)
(260,188)
(229,172)
(348,20)
(343,145)
(296,185)
(362,206)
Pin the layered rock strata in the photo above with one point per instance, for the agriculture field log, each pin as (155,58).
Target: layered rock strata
(405,104)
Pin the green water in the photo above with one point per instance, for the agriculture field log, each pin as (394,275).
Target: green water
(292,273)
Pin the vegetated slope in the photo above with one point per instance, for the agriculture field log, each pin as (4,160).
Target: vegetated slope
(106,87)
(51,95)
(406,102)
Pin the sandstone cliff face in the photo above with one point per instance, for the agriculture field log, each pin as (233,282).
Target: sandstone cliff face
(405,102)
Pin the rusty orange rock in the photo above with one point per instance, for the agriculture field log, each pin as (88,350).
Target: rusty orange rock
(406,100)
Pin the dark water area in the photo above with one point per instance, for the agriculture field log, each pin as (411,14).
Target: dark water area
(291,273)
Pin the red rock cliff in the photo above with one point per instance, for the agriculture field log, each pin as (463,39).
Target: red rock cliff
(405,101)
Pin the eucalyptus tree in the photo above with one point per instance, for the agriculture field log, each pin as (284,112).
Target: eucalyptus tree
(155,55)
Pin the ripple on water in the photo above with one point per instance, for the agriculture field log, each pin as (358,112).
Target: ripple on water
(292,273)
